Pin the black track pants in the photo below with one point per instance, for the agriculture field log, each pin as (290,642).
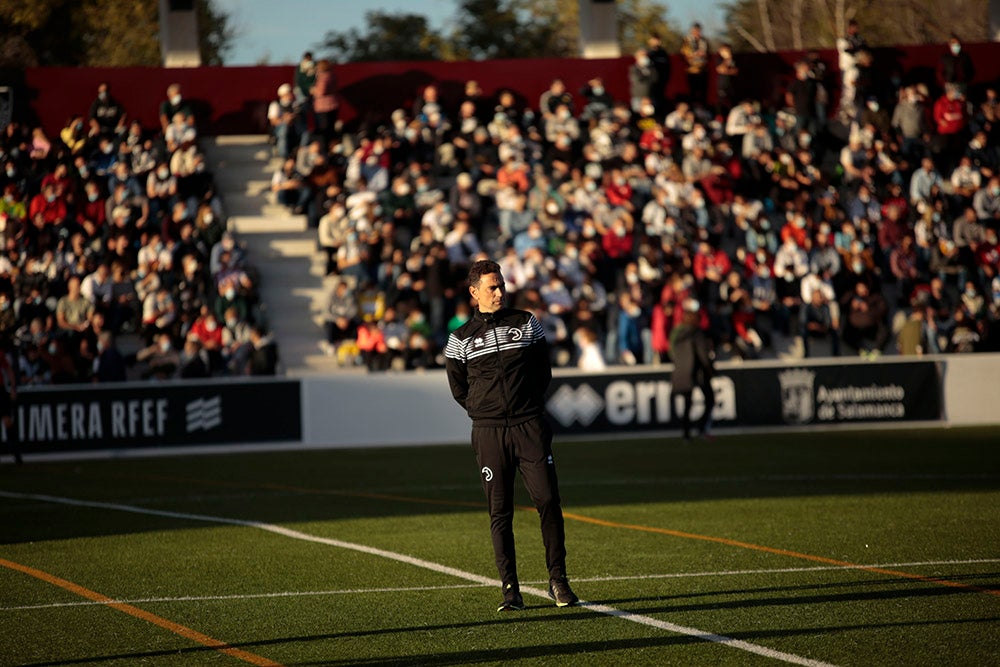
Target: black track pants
(500,452)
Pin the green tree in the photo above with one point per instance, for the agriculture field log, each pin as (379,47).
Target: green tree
(548,28)
(387,37)
(638,19)
(216,34)
(771,25)
(109,33)
(487,29)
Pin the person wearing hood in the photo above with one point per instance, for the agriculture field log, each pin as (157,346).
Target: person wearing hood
(694,367)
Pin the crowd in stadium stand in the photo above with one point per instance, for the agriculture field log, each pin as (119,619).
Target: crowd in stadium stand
(110,231)
(855,215)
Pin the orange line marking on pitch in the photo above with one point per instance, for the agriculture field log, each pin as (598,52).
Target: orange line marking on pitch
(176,628)
(647,529)
(774,550)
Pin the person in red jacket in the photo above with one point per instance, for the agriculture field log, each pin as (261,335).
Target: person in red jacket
(371,344)
(710,263)
(48,203)
(91,212)
(618,241)
(208,332)
(951,112)
(951,118)
(618,191)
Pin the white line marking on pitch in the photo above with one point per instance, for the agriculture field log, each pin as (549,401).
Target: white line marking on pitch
(435,567)
(419,589)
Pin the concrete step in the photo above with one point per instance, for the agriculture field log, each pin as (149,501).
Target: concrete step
(247,205)
(293,286)
(262,224)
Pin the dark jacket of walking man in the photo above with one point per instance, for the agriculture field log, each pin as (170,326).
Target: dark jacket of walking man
(693,367)
(498,368)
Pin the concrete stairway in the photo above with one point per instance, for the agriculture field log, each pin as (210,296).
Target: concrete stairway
(292,284)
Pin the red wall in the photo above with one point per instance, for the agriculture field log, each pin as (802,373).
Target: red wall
(233,100)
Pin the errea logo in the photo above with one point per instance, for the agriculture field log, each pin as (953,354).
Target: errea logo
(569,405)
(478,342)
(203,414)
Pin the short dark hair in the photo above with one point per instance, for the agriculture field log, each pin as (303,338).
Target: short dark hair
(483,267)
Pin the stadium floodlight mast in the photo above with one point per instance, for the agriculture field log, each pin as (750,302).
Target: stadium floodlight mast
(179,33)
(994,10)
(599,29)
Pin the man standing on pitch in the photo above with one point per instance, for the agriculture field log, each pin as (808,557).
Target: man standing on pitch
(693,367)
(498,368)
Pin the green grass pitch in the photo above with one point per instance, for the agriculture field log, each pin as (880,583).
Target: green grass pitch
(833,548)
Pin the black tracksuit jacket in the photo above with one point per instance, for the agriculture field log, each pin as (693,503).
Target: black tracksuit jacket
(498,367)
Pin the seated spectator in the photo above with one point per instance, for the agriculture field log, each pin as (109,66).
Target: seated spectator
(865,320)
(341,318)
(288,187)
(986,202)
(159,314)
(180,131)
(97,287)
(161,191)
(31,368)
(49,206)
(73,310)
(161,361)
(819,321)
(263,358)
(193,360)
(109,364)
(208,333)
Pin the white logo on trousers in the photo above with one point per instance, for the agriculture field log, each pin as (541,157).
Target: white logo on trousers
(487,473)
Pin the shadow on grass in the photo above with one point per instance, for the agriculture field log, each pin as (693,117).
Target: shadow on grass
(897,582)
(332,485)
(553,650)
(674,604)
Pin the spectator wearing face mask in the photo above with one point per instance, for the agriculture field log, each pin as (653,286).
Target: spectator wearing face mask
(986,202)
(955,65)
(598,102)
(173,105)
(641,78)
(109,364)
(161,359)
(208,333)
(106,113)
(48,204)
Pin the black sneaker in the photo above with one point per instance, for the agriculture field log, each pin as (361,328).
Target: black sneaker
(512,600)
(560,591)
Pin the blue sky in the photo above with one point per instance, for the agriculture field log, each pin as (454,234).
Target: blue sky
(278,31)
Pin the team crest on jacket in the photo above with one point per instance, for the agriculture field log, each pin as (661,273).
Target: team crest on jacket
(478,342)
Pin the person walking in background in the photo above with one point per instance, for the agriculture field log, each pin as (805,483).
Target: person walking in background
(324,102)
(849,49)
(955,66)
(726,73)
(641,79)
(286,125)
(498,369)
(694,50)
(8,398)
(660,60)
(693,367)
(305,79)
